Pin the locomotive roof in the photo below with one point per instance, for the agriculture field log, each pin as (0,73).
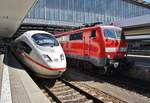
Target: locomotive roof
(108,26)
(86,28)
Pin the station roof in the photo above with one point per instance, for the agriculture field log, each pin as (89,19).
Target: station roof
(12,12)
(140,21)
(144,3)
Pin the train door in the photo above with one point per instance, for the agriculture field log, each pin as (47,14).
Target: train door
(88,39)
(86,44)
(92,41)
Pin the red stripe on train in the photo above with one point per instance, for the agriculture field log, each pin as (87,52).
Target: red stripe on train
(29,58)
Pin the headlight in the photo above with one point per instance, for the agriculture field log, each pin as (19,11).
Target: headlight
(62,57)
(123,49)
(47,58)
(108,56)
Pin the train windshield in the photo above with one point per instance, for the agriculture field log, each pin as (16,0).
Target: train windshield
(45,40)
(113,33)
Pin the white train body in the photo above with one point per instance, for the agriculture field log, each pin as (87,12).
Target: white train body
(41,52)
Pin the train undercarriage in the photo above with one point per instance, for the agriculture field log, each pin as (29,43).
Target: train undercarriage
(112,67)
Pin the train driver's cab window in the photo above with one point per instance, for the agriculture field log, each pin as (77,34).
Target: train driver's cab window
(22,46)
(114,33)
(108,33)
(76,36)
(42,39)
(93,33)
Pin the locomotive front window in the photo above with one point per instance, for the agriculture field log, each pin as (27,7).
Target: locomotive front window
(45,40)
(108,33)
(113,33)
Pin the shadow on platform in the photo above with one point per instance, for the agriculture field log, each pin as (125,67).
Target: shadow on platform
(11,61)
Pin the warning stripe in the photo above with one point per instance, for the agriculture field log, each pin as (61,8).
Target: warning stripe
(36,62)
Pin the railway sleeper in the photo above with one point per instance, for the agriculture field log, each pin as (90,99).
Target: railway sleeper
(60,89)
(59,86)
(70,96)
(80,99)
(83,88)
(65,92)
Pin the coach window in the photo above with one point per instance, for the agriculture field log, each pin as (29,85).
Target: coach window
(25,47)
(93,33)
(76,36)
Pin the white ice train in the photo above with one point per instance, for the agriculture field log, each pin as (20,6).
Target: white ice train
(41,52)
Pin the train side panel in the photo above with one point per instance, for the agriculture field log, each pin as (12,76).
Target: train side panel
(93,46)
(88,47)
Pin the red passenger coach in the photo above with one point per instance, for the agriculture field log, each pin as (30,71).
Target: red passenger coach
(100,46)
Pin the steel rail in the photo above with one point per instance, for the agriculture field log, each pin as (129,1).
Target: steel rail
(55,98)
(89,96)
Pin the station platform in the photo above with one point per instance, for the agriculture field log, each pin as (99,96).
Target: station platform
(141,67)
(16,86)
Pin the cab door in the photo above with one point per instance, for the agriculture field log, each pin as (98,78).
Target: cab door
(86,43)
(88,38)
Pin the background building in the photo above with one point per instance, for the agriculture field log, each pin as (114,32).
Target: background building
(60,15)
(75,12)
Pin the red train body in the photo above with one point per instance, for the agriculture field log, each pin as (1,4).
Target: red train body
(102,46)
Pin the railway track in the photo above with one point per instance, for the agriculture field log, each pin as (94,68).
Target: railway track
(64,92)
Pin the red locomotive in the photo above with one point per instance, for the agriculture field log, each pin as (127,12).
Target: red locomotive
(101,46)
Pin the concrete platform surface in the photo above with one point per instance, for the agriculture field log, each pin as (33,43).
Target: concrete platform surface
(16,86)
